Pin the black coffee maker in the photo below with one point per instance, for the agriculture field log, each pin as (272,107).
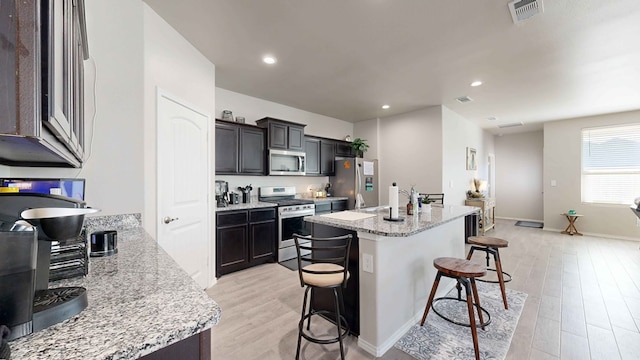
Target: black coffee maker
(222,190)
(29,223)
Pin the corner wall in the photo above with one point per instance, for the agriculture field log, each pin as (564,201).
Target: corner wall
(562,163)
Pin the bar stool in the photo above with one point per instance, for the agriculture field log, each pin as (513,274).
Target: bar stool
(490,245)
(464,272)
(327,260)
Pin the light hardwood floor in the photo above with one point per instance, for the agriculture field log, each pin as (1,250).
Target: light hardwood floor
(583,302)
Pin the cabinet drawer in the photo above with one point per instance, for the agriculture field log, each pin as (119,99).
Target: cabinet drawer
(262,215)
(339,205)
(323,207)
(231,218)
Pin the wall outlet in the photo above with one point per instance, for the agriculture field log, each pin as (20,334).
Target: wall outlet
(553,183)
(367,263)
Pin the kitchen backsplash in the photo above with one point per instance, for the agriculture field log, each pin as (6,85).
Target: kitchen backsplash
(305,185)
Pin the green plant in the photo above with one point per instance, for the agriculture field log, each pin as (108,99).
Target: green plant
(359,146)
(426,200)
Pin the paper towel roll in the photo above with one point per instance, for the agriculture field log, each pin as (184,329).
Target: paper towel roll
(393,200)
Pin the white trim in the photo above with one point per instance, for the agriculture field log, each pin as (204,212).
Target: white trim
(516,219)
(161,93)
(607,236)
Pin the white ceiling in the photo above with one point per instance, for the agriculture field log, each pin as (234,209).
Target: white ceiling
(346,58)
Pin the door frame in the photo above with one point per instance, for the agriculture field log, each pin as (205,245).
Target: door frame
(211,262)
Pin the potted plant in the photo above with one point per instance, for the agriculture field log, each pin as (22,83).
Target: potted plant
(359,146)
(426,202)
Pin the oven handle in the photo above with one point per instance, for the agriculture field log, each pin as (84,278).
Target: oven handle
(297,213)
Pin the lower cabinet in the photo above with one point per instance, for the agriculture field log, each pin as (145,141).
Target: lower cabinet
(244,238)
(326,207)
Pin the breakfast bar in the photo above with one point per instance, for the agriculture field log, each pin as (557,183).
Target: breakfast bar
(395,270)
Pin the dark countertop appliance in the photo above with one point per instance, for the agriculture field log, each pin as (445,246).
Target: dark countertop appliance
(26,303)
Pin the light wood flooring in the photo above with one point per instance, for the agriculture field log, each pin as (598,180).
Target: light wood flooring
(583,302)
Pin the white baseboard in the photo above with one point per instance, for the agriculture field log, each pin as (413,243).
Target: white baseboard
(516,219)
(388,344)
(607,236)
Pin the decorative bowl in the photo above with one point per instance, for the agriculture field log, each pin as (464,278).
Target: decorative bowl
(57,223)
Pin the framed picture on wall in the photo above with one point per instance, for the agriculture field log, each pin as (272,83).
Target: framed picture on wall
(472,163)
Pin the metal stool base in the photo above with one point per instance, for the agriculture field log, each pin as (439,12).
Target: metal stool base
(495,281)
(478,308)
(325,314)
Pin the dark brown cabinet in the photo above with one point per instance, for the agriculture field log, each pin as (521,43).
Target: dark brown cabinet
(240,149)
(320,156)
(282,134)
(42,83)
(326,207)
(244,238)
(343,148)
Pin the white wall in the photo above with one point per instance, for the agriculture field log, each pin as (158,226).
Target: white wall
(410,152)
(519,176)
(254,109)
(562,163)
(114,172)
(173,65)
(458,134)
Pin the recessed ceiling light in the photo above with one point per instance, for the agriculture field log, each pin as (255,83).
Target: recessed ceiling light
(492,118)
(269,60)
(476,83)
(385,107)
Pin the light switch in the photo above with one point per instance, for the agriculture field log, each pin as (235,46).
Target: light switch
(450,184)
(553,183)
(367,263)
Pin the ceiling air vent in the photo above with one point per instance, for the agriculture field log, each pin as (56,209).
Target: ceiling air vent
(524,9)
(464,99)
(502,126)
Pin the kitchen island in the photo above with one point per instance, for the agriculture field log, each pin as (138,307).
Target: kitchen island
(141,304)
(395,265)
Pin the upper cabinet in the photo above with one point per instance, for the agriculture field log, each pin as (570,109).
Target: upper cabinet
(284,135)
(343,148)
(240,149)
(42,76)
(320,154)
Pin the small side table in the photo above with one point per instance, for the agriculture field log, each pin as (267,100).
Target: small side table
(571,229)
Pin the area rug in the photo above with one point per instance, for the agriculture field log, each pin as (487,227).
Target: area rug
(440,339)
(532,224)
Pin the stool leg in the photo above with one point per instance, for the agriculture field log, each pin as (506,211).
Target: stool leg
(301,322)
(470,253)
(431,296)
(338,321)
(477,300)
(496,258)
(472,319)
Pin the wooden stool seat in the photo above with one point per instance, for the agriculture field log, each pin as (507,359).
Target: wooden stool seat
(464,272)
(488,241)
(454,267)
(491,245)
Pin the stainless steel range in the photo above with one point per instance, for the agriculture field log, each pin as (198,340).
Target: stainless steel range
(291,213)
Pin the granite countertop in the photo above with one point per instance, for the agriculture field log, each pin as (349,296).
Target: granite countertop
(412,224)
(325,199)
(251,205)
(140,301)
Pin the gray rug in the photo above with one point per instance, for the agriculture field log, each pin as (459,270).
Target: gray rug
(531,224)
(440,339)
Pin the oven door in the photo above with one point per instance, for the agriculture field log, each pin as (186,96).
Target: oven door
(289,224)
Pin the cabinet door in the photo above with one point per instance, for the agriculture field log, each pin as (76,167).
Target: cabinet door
(278,134)
(312,150)
(343,148)
(231,249)
(338,205)
(252,155)
(327,158)
(323,207)
(262,242)
(296,138)
(226,149)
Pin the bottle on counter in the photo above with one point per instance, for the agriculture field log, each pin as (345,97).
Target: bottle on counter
(409,208)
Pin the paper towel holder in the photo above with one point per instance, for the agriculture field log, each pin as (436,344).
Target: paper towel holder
(389,218)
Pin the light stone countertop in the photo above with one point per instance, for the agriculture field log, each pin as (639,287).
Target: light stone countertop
(411,225)
(241,206)
(140,301)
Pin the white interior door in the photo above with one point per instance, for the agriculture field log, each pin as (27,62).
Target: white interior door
(183,186)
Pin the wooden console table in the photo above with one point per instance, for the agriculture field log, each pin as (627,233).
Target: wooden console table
(487,212)
(571,229)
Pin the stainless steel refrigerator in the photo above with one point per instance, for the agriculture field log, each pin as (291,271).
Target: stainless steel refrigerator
(356,179)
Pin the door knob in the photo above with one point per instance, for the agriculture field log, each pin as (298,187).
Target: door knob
(168,219)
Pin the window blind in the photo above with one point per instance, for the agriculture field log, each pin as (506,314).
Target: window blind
(611,164)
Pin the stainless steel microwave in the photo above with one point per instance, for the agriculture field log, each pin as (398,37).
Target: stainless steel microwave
(286,162)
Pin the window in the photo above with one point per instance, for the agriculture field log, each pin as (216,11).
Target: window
(611,164)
